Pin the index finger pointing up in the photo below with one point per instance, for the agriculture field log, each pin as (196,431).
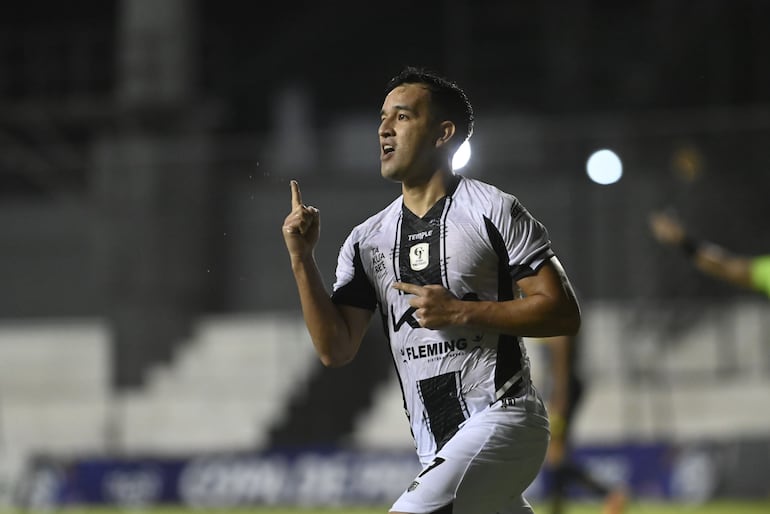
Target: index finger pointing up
(296,196)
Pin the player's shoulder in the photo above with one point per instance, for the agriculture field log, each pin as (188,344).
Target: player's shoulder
(486,197)
(374,224)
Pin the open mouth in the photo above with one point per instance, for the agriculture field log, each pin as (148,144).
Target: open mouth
(387,151)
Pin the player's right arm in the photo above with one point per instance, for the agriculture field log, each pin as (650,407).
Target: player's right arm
(709,258)
(336,330)
(722,264)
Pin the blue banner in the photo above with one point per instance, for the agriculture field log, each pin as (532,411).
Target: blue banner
(227,480)
(346,477)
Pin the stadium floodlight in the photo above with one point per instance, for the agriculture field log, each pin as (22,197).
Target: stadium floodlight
(604,167)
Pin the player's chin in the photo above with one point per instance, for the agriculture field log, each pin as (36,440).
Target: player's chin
(391,172)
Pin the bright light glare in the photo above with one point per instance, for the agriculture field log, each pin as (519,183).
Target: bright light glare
(604,167)
(462,156)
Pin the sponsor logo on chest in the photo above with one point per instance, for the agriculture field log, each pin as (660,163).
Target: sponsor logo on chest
(419,256)
(378,261)
(419,236)
(435,349)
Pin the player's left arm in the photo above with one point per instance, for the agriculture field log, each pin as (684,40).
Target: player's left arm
(548,308)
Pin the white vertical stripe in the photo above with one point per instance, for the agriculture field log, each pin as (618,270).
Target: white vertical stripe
(442,264)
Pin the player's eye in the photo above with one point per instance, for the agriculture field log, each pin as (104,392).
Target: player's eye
(402,116)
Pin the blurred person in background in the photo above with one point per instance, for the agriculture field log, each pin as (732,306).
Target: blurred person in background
(441,264)
(748,272)
(564,393)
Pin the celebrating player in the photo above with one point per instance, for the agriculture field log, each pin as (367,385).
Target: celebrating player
(459,271)
(711,259)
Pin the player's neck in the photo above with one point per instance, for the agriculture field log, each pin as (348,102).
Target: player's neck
(420,196)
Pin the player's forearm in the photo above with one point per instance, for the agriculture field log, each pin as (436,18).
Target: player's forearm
(533,316)
(327,327)
(719,263)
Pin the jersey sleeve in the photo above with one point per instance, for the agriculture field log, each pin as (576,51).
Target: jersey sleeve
(760,273)
(352,287)
(524,239)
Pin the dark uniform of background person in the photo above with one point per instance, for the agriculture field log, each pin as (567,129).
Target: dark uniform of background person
(563,396)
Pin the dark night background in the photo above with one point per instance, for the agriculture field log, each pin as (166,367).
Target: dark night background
(146,148)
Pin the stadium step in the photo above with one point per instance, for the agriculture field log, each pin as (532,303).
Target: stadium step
(325,411)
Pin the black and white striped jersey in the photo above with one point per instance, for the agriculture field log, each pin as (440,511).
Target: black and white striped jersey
(477,242)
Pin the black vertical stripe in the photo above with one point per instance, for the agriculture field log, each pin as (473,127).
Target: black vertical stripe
(441,395)
(508,350)
(384,318)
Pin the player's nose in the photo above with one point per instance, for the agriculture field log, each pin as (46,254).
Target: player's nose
(385,129)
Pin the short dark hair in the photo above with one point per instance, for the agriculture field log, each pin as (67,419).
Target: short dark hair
(450,99)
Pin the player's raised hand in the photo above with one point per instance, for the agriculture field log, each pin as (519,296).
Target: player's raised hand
(436,306)
(302,226)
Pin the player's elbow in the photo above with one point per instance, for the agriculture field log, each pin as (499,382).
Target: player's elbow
(565,318)
(572,318)
(334,361)
(336,358)
(570,323)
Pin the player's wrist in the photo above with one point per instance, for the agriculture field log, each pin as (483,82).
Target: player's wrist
(468,313)
(460,315)
(301,260)
(690,245)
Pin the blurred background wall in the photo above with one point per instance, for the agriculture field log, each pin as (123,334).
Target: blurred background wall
(145,154)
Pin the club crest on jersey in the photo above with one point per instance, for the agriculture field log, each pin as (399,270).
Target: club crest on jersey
(419,256)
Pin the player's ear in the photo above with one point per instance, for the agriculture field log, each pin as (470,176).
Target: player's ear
(445,133)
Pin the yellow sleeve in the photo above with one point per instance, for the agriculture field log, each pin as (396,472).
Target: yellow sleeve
(760,274)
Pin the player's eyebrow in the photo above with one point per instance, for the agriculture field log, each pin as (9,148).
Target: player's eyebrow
(399,108)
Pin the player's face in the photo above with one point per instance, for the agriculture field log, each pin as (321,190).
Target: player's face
(407,142)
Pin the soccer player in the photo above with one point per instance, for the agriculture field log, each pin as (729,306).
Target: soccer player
(742,271)
(565,392)
(458,272)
